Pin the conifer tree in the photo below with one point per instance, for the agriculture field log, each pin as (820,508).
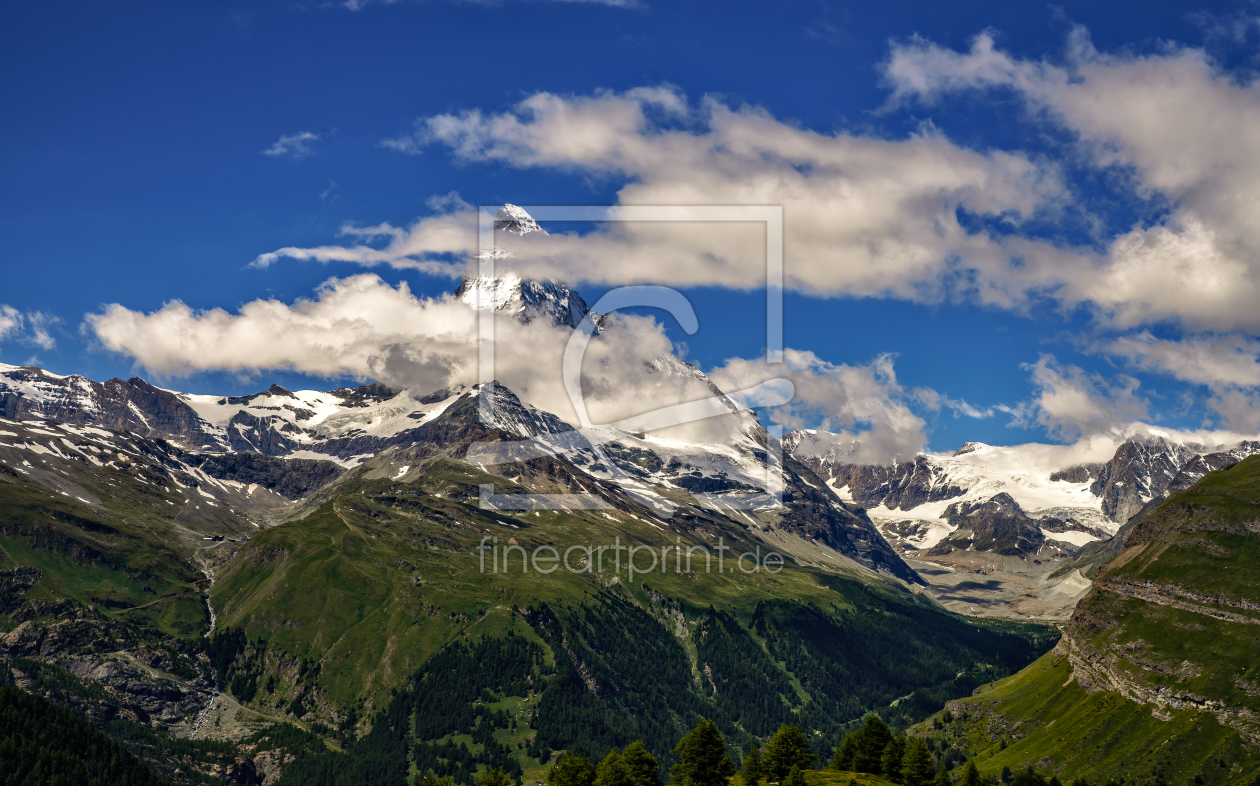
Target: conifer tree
(572,769)
(942,777)
(890,760)
(751,772)
(917,767)
(702,759)
(794,778)
(873,737)
(494,777)
(846,753)
(641,766)
(611,771)
(788,748)
(970,775)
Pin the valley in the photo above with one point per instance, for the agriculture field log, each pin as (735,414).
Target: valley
(295,586)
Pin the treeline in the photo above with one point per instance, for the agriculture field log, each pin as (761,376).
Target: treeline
(447,696)
(42,744)
(909,761)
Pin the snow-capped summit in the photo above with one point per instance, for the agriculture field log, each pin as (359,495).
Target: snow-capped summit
(511,218)
(1093,499)
(527,299)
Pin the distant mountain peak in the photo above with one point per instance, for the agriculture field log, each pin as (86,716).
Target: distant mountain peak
(511,218)
(527,299)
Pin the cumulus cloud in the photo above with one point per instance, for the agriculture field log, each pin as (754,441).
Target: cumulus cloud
(1232,359)
(862,215)
(1228,365)
(1180,127)
(363,327)
(293,146)
(1070,403)
(870,216)
(863,407)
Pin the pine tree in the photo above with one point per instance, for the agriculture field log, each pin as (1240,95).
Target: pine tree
(788,748)
(494,777)
(794,778)
(1029,777)
(917,767)
(873,737)
(970,775)
(572,769)
(942,777)
(890,760)
(641,766)
(612,771)
(846,753)
(702,759)
(1006,772)
(751,772)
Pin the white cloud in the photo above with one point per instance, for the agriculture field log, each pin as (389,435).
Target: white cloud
(1209,360)
(293,146)
(1070,403)
(961,408)
(361,326)
(40,323)
(31,328)
(1179,127)
(863,406)
(10,321)
(428,245)
(1229,365)
(862,215)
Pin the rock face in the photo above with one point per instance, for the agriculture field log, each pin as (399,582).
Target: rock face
(998,525)
(134,405)
(1141,470)
(290,478)
(899,485)
(1166,617)
(816,513)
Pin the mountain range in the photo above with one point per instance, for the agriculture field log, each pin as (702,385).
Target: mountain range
(292,586)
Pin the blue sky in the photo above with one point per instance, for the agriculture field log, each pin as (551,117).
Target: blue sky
(136,174)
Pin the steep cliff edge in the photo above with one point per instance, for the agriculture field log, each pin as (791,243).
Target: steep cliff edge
(1156,677)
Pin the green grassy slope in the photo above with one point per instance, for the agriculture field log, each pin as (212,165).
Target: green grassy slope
(1157,676)
(354,600)
(128,567)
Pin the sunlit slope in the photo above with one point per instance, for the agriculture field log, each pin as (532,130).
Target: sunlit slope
(1157,674)
(387,574)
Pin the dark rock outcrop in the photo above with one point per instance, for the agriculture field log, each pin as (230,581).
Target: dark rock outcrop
(998,525)
(290,478)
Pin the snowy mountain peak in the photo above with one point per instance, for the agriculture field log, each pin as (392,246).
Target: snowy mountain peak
(527,299)
(511,218)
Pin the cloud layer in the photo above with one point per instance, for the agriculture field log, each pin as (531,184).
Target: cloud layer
(364,327)
(862,215)
(1179,127)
